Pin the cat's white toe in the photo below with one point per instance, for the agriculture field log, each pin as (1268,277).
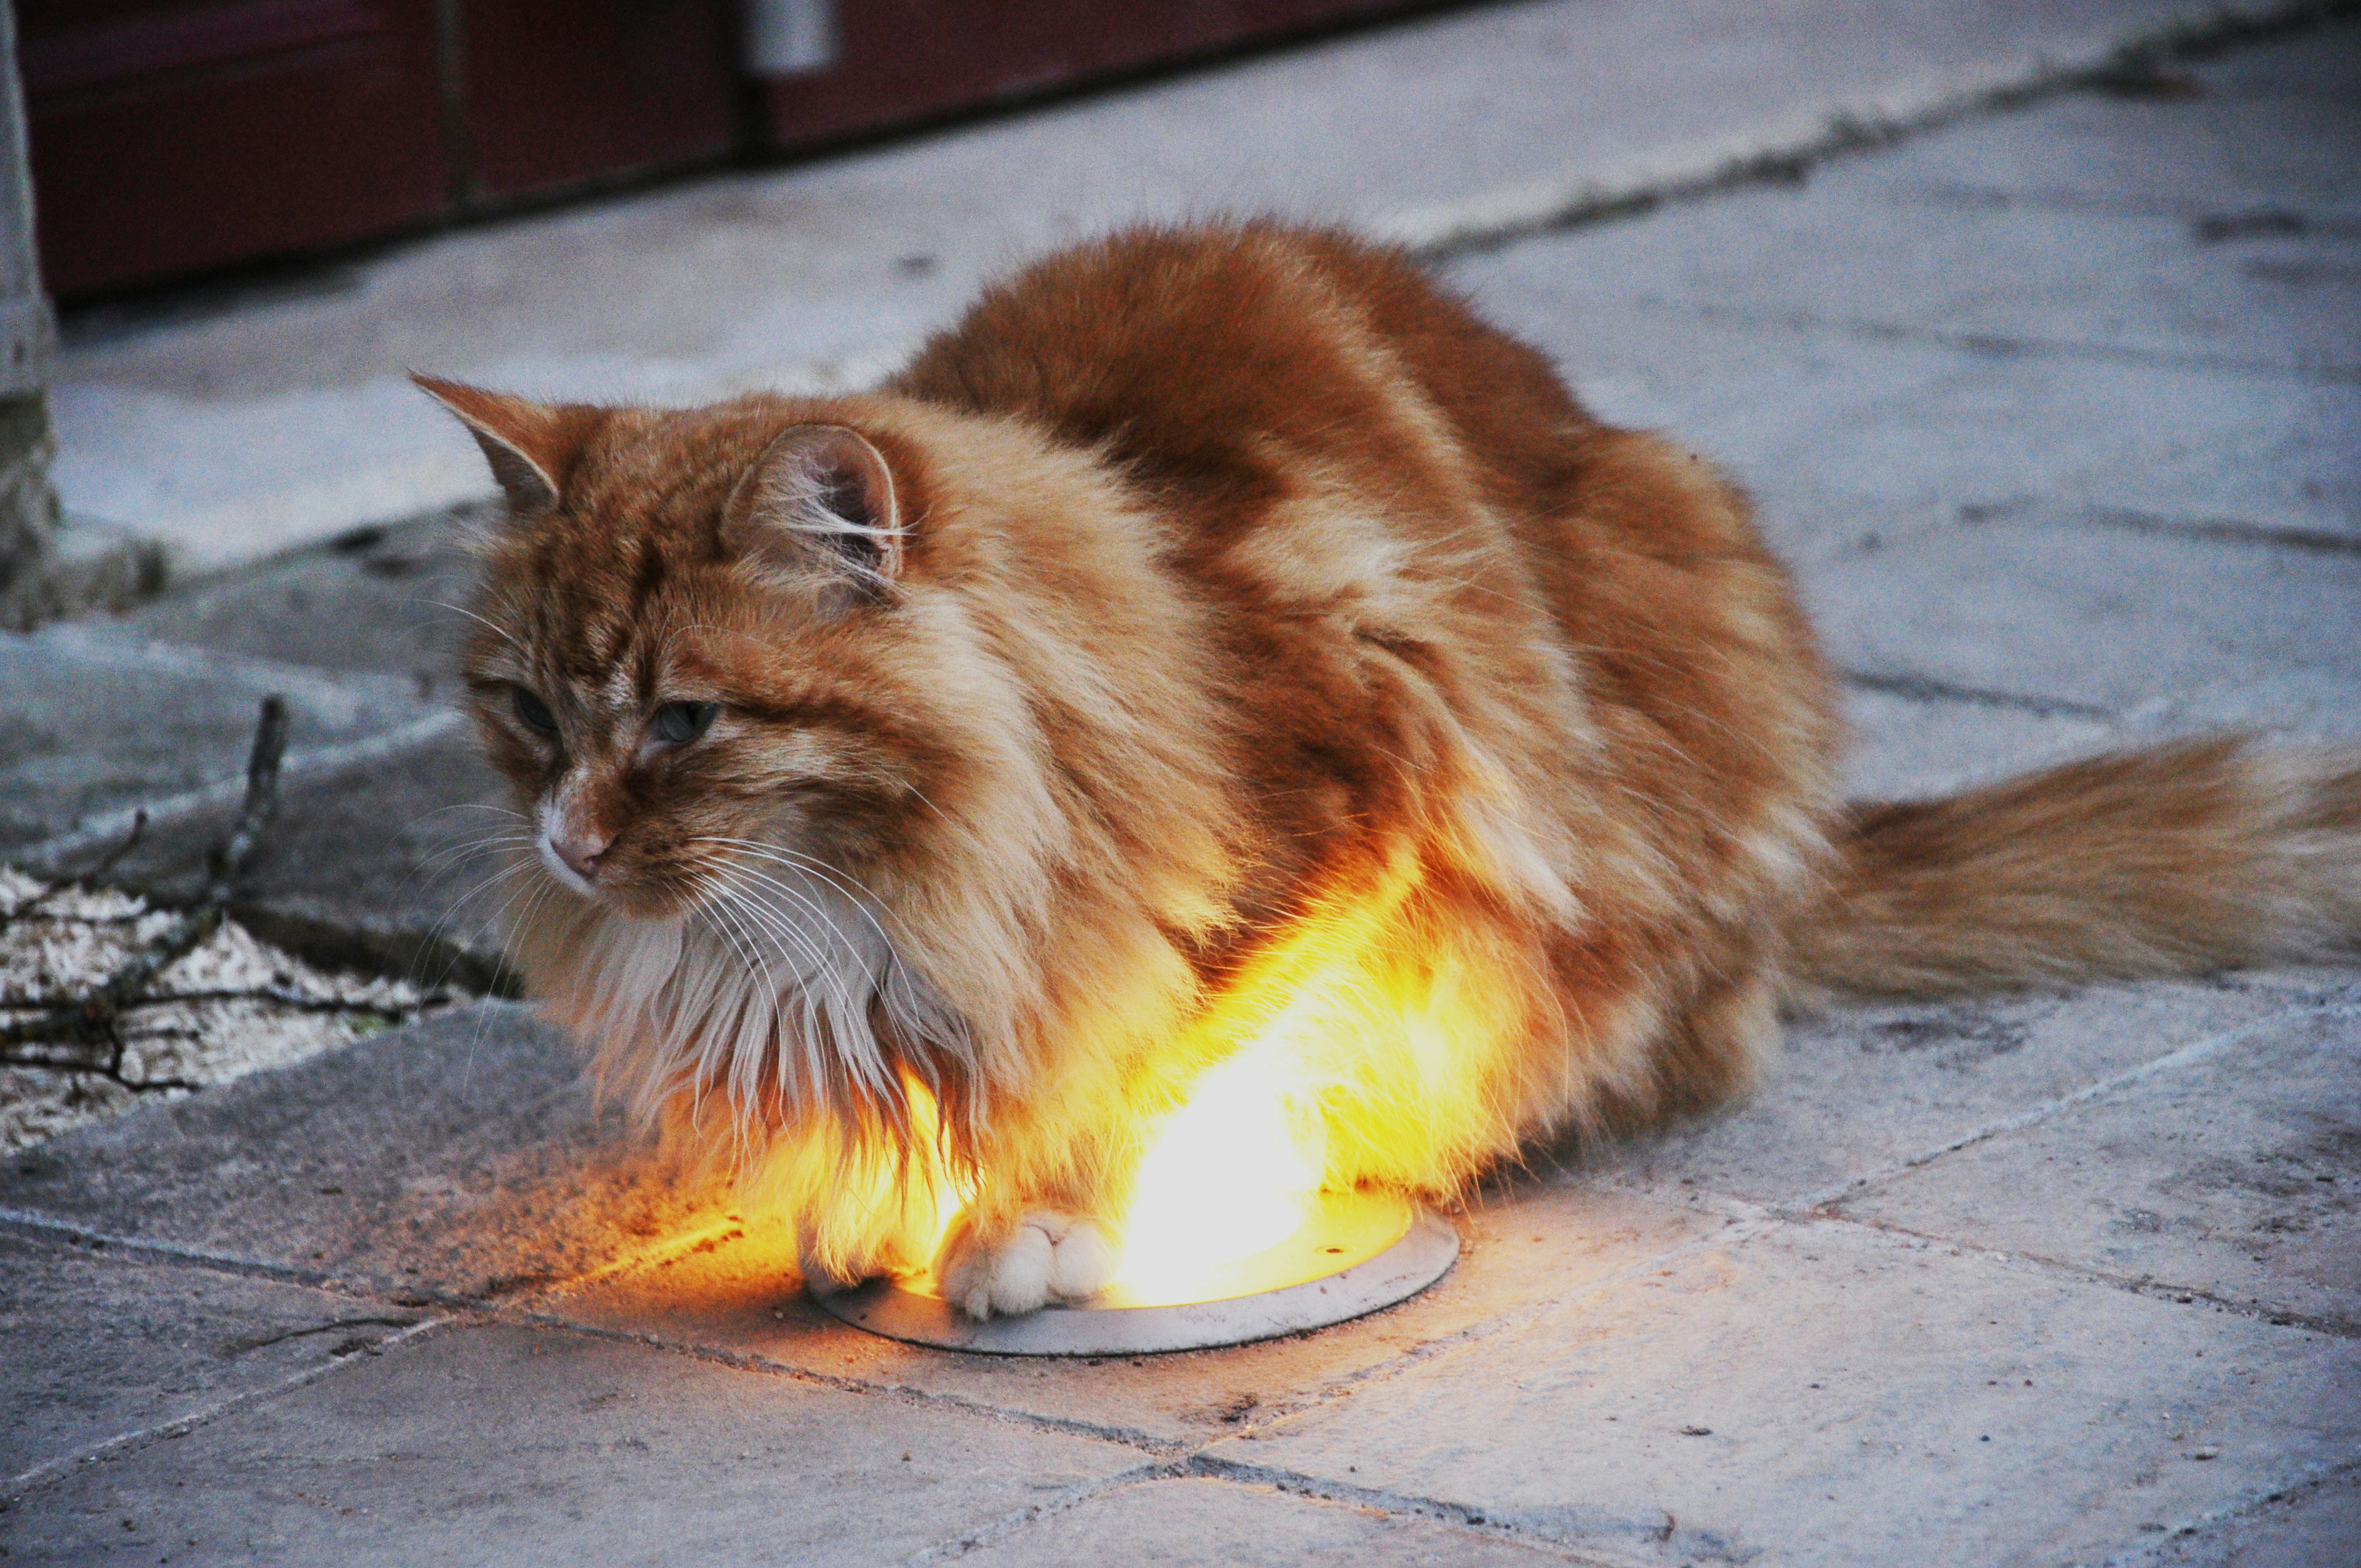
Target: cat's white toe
(1046,1257)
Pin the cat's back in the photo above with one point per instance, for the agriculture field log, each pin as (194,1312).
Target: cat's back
(1217,362)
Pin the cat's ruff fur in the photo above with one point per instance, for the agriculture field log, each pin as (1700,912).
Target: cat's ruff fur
(1219,615)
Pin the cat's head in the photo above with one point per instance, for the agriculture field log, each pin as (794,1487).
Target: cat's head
(680,649)
(852,693)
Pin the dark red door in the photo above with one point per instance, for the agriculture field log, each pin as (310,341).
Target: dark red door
(169,136)
(876,63)
(558,92)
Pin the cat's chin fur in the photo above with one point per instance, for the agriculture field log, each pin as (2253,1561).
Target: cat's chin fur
(779,1005)
(740,1018)
(753,1035)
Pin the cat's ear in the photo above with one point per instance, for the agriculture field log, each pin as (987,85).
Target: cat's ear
(524,442)
(820,501)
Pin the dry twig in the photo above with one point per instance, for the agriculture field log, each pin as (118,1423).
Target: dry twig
(90,1019)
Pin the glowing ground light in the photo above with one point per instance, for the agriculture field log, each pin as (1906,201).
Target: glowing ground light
(1229,1175)
(1231,1236)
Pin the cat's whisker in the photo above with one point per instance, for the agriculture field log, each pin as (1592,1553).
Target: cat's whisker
(788,931)
(897,998)
(782,854)
(810,904)
(492,627)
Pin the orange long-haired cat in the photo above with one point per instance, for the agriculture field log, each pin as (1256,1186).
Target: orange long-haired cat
(1222,636)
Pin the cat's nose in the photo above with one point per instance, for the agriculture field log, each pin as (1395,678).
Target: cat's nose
(580,850)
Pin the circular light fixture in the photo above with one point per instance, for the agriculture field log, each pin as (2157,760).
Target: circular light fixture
(1354,1253)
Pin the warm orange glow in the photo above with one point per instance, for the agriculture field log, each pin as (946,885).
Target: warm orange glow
(1362,1050)
(1234,1171)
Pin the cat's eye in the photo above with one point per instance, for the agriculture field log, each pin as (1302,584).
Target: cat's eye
(678,723)
(531,712)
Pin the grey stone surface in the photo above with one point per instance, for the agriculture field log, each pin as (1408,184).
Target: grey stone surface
(1205,1522)
(2304,1527)
(394,865)
(462,1156)
(91,721)
(1828,1394)
(1843,435)
(2191,151)
(1976,243)
(2027,307)
(1858,1093)
(2063,465)
(1521,1245)
(382,600)
(2239,1177)
(497,1445)
(2120,623)
(1924,743)
(98,1342)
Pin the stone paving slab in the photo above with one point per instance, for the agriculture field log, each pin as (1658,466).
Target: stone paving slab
(458,1157)
(1856,1094)
(499,1445)
(2118,622)
(2191,151)
(93,721)
(1924,743)
(2237,1177)
(394,864)
(99,1343)
(1833,1394)
(2307,1528)
(1523,1244)
(1178,1522)
(380,600)
(1842,435)
(1751,326)
(1897,244)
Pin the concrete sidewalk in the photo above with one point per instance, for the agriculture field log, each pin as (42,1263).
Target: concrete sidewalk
(2054,412)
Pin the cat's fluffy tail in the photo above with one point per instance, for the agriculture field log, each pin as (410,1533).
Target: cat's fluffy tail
(2185,859)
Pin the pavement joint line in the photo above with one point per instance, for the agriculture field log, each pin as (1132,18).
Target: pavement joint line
(1768,1216)
(1783,151)
(316,762)
(48,1227)
(2255,1500)
(2210,529)
(1824,1204)
(654,1254)
(123,1443)
(2061,199)
(2223,531)
(1507,1523)
(1914,687)
(2138,1285)
(770,1366)
(33,1224)
(1071,1498)
(1996,345)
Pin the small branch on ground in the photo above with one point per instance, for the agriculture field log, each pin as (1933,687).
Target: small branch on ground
(90,1018)
(31,908)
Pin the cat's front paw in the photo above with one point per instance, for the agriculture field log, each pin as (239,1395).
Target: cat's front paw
(1044,1257)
